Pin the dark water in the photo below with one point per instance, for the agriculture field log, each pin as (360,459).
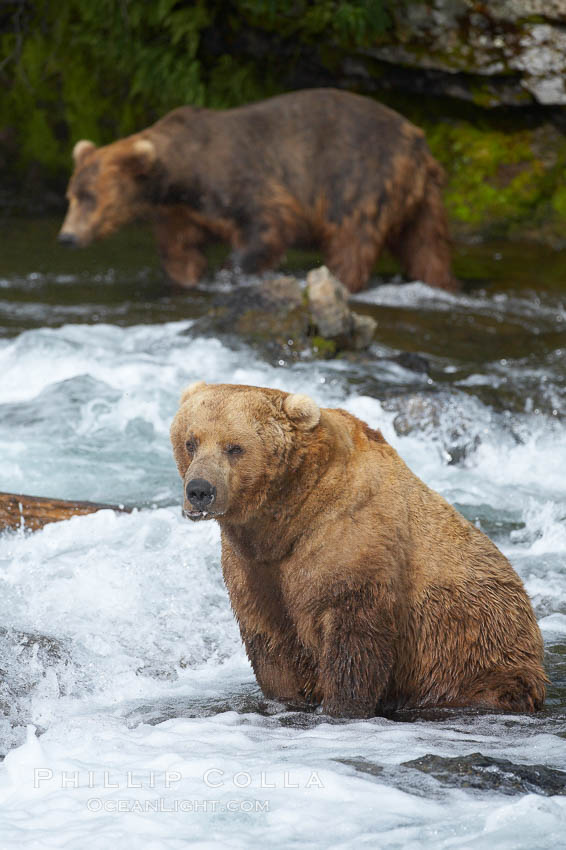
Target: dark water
(511,315)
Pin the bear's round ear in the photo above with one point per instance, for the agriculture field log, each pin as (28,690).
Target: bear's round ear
(143,155)
(192,388)
(302,411)
(82,147)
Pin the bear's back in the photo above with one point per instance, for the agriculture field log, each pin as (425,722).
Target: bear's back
(306,138)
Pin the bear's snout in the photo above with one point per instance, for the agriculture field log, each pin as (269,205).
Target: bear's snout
(201,493)
(67,238)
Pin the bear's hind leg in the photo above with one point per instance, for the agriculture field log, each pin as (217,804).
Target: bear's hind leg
(511,691)
(351,252)
(423,244)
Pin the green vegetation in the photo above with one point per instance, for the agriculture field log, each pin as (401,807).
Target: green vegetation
(103,69)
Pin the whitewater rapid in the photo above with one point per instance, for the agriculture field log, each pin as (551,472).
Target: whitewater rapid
(128,710)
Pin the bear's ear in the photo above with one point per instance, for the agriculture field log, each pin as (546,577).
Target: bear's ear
(302,411)
(192,388)
(81,148)
(142,156)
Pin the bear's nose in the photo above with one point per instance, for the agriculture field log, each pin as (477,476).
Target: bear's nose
(200,493)
(67,239)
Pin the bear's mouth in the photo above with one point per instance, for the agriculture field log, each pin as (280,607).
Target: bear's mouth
(195,516)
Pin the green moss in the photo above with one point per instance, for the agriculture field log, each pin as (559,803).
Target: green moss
(559,202)
(324,348)
(494,177)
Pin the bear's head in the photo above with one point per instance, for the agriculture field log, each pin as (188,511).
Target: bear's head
(236,447)
(107,188)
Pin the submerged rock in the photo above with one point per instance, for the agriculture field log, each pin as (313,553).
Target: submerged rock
(362,765)
(490,774)
(455,428)
(30,664)
(248,699)
(163,673)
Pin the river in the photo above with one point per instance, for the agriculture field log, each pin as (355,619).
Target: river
(128,711)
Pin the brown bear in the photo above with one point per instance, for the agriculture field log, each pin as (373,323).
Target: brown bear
(315,167)
(355,586)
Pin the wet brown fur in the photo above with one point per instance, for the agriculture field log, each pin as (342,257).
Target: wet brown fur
(355,586)
(315,167)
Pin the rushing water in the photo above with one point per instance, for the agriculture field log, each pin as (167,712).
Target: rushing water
(118,649)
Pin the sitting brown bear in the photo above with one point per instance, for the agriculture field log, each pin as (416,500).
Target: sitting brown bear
(355,586)
(321,167)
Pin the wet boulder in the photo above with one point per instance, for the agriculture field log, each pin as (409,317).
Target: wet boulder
(328,304)
(286,318)
(31,664)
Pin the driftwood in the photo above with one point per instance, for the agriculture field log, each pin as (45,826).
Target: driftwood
(33,512)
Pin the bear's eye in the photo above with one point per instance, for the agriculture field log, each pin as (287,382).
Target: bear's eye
(86,197)
(191,445)
(233,449)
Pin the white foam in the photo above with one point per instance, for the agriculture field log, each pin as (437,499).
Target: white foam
(529,308)
(554,624)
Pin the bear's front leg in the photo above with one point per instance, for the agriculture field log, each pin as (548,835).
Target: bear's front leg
(357,656)
(179,241)
(280,665)
(258,248)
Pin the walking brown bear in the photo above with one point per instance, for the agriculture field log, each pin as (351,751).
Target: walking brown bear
(316,167)
(355,586)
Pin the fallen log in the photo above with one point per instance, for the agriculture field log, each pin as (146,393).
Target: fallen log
(33,512)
